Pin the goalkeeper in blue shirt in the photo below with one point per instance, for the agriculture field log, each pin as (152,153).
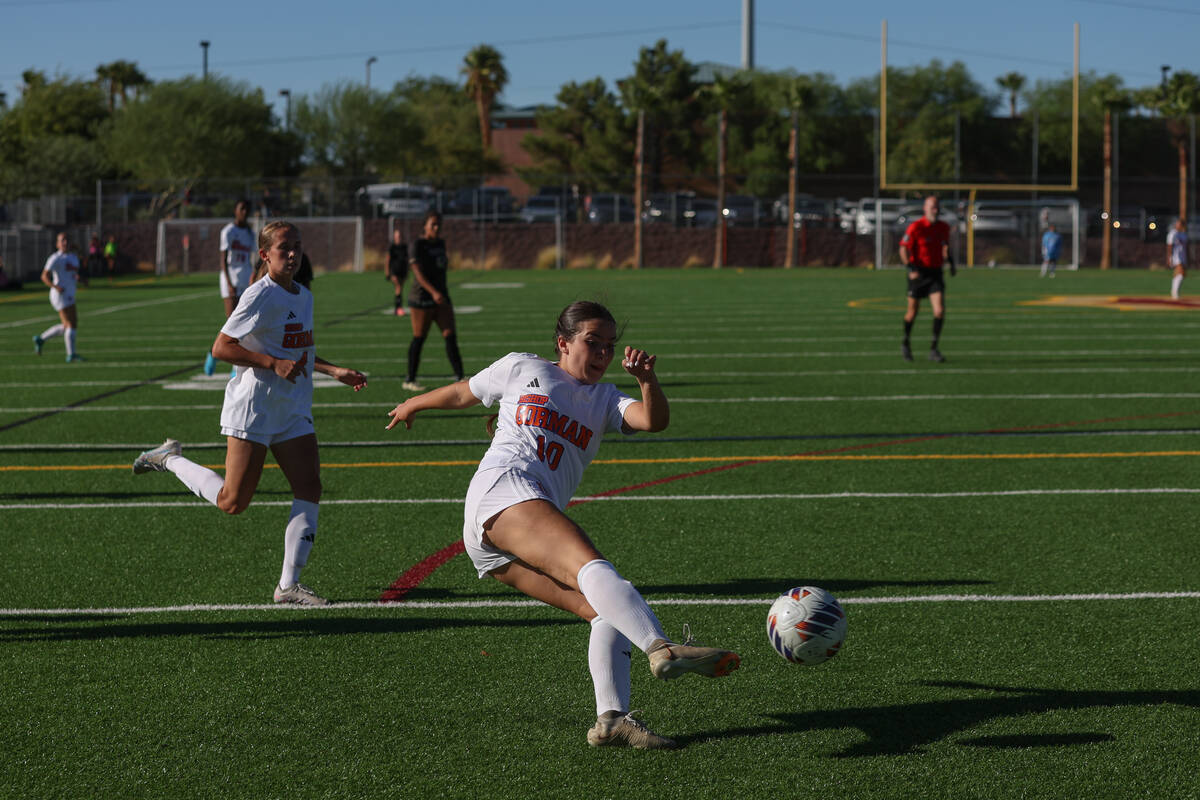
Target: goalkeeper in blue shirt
(1051,247)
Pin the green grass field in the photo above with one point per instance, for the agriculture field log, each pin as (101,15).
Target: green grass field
(1012,534)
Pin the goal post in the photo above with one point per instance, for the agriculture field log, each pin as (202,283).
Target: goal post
(333,244)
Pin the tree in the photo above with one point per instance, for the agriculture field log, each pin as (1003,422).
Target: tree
(49,137)
(445,146)
(348,130)
(1176,100)
(187,130)
(663,85)
(1012,83)
(722,93)
(586,135)
(1111,99)
(486,76)
(117,78)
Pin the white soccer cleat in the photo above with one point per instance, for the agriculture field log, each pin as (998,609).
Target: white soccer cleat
(156,460)
(615,730)
(675,660)
(300,595)
(412,386)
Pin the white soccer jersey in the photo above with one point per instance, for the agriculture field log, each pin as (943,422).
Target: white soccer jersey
(64,273)
(238,248)
(270,319)
(550,424)
(1177,241)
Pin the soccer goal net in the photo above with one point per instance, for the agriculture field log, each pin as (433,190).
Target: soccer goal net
(1002,233)
(333,244)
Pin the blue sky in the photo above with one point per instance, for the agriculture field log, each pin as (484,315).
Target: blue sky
(546,44)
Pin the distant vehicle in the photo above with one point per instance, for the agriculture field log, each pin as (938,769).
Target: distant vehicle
(701,213)
(483,201)
(542,208)
(988,218)
(743,210)
(668,207)
(811,211)
(859,217)
(606,207)
(405,200)
(1148,224)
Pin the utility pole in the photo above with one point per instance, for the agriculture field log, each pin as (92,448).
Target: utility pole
(286,94)
(370,61)
(747,34)
(204,64)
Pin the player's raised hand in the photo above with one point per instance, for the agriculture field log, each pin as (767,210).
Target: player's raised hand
(638,363)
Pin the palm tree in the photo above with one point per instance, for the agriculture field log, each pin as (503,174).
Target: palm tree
(1112,99)
(486,77)
(800,94)
(722,91)
(1012,83)
(118,78)
(1177,99)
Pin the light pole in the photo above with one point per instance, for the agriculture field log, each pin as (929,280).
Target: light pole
(370,61)
(204,70)
(286,94)
(1165,69)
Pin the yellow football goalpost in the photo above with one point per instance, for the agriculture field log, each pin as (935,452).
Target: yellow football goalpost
(973,188)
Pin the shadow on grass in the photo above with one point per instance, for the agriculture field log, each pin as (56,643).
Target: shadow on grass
(174,493)
(905,729)
(318,624)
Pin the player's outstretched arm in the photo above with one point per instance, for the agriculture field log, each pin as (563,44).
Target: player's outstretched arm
(350,377)
(452,397)
(653,413)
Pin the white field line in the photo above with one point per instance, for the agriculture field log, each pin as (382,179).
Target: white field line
(681,601)
(695,400)
(95,312)
(653,498)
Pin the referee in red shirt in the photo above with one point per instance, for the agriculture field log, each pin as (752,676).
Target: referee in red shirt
(924,248)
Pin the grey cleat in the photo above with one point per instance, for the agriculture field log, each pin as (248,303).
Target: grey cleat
(616,730)
(156,460)
(300,595)
(675,660)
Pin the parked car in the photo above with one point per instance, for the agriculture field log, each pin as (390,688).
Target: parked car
(669,207)
(860,217)
(701,213)
(988,218)
(483,201)
(811,211)
(744,211)
(542,208)
(606,207)
(405,200)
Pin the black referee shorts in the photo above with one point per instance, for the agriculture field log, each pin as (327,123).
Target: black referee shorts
(927,282)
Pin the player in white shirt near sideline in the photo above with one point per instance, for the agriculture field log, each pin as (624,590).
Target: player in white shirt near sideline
(238,249)
(268,405)
(1177,255)
(552,417)
(61,274)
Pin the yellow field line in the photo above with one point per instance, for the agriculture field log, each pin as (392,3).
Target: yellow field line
(690,460)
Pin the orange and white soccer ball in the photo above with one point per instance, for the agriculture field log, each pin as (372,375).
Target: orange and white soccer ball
(806,625)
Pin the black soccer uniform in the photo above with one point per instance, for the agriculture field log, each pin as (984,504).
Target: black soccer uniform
(398,261)
(430,255)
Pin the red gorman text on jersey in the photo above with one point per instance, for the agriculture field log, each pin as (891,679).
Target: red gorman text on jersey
(296,337)
(925,240)
(548,419)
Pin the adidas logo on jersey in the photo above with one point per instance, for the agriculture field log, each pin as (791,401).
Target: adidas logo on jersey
(533,384)
(291,315)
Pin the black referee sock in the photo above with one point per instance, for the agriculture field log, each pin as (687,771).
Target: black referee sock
(938,322)
(908,329)
(414,357)
(454,356)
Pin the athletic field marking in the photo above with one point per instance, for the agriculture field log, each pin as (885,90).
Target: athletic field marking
(741,460)
(666,498)
(492,286)
(882,398)
(680,601)
(95,312)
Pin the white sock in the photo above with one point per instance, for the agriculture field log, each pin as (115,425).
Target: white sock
(298,541)
(615,599)
(70,335)
(608,659)
(203,482)
(52,331)
(1176,282)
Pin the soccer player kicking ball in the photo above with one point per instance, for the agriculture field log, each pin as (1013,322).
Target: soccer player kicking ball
(268,405)
(552,417)
(924,248)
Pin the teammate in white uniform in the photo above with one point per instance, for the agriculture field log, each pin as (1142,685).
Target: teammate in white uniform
(238,249)
(61,274)
(268,405)
(1177,255)
(552,417)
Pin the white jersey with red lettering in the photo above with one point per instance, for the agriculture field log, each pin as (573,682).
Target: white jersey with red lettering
(64,273)
(550,424)
(270,319)
(238,249)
